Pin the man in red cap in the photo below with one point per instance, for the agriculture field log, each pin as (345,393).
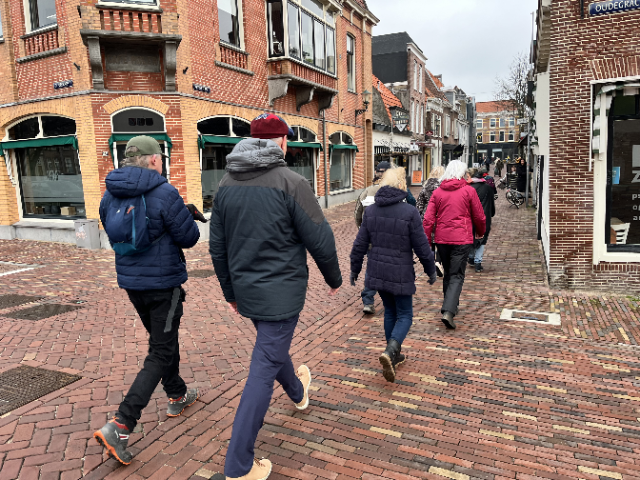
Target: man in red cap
(265,217)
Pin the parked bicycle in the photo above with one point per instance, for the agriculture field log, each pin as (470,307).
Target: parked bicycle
(515,198)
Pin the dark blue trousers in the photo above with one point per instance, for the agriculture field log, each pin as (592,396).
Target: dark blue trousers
(270,361)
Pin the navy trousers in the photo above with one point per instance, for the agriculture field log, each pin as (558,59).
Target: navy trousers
(270,361)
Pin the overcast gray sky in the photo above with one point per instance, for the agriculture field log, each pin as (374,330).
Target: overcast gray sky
(469,42)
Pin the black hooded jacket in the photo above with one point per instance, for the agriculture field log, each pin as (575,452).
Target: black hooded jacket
(265,217)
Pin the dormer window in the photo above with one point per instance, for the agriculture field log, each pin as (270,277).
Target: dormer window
(310,27)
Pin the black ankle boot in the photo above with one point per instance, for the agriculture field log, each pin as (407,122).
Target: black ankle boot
(400,359)
(388,360)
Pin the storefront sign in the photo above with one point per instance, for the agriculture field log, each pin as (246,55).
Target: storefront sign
(613,6)
(401,119)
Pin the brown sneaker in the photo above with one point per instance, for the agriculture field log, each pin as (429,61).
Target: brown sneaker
(304,374)
(260,471)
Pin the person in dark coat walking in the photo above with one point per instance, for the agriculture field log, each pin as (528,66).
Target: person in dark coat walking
(264,220)
(153,280)
(477,180)
(454,211)
(427,190)
(392,228)
(521,172)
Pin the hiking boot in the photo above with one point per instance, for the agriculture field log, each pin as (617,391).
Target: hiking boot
(369,309)
(304,374)
(260,471)
(479,268)
(177,405)
(400,359)
(388,360)
(114,436)
(447,319)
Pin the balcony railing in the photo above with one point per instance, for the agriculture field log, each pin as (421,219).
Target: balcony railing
(233,57)
(130,21)
(289,67)
(41,42)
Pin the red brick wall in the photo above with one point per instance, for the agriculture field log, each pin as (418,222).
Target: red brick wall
(576,45)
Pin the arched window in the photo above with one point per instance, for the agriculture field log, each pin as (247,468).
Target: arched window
(45,150)
(343,152)
(132,122)
(302,153)
(217,137)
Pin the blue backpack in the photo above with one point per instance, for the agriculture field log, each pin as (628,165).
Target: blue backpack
(126,224)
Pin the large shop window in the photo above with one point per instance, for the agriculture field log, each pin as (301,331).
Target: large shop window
(131,123)
(623,179)
(342,158)
(46,154)
(310,27)
(302,151)
(228,21)
(43,13)
(217,137)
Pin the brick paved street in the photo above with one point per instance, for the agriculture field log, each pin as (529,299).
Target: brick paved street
(493,400)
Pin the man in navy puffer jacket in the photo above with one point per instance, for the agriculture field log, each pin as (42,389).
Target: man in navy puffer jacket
(153,280)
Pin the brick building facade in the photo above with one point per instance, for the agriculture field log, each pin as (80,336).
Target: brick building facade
(587,70)
(497,131)
(83,76)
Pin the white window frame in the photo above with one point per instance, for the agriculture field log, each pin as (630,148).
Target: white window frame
(415,75)
(512,122)
(503,122)
(512,136)
(501,136)
(351,81)
(27,18)
(600,175)
(492,137)
(239,5)
(492,123)
(422,119)
(420,80)
(413,116)
(479,123)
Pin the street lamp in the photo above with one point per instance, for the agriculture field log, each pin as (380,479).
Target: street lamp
(366,100)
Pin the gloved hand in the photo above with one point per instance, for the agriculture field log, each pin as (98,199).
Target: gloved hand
(432,279)
(196,214)
(354,277)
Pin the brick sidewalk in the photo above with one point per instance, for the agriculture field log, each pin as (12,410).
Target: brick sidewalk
(492,400)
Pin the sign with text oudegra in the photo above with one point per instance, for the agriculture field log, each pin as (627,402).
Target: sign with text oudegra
(613,6)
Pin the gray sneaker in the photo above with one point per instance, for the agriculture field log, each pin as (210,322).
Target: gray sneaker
(115,438)
(177,406)
(369,309)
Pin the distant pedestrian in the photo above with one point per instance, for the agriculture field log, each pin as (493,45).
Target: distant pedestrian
(499,166)
(521,172)
(366,199)
(486,195)
(453,211)
(264,220)
(392,228)
(148,225)
(427,190)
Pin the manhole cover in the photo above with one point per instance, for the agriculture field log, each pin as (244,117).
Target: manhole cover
(202,273)
(41,312)
(546,318)
(23,385)
(8,301)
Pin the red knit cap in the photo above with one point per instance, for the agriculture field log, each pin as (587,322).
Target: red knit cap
(268,126)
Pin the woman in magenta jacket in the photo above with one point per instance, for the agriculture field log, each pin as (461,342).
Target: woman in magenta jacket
(454,210)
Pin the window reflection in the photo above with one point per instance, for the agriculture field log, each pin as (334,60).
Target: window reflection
(228,22)
(214,164)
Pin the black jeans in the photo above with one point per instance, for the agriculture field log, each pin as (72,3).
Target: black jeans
(454,261)
(160,312)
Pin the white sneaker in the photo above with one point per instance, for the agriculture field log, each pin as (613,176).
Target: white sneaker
(304,374)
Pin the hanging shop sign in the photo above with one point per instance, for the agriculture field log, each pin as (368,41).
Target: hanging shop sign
(613,6)
(401,119)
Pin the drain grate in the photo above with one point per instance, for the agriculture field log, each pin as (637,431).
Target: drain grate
(546,318)
(202,273)
(23,385)
(42,311)
(8,301)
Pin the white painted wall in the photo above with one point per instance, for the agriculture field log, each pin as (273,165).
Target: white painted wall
(542,96)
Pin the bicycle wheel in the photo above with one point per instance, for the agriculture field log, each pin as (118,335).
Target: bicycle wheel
(520,199)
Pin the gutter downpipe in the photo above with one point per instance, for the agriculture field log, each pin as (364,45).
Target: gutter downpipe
(324,152)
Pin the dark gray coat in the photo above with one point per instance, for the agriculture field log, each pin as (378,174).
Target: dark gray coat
(265,217)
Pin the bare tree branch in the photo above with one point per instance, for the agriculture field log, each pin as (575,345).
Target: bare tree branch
(511,91)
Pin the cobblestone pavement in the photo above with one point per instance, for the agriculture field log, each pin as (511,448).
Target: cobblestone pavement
(495,399)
